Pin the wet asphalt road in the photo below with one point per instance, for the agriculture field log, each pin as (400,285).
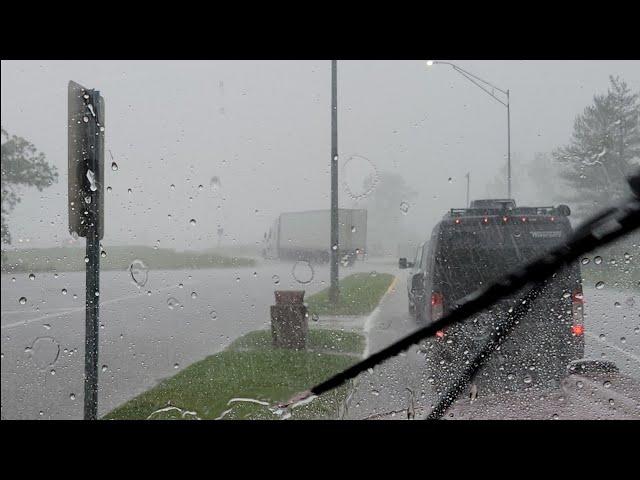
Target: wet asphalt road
(400,384)
(148,333)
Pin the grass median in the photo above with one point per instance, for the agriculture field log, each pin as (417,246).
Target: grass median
(71,259)
(360,293)
(251,368)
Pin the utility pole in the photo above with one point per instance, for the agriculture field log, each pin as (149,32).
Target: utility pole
(468,175)
(334,291)
(508,146)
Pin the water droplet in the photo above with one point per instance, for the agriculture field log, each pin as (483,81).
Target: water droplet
(104,368)
(600,285)
(72,396)
(172,303)
(360,177)
(114,166)
(192,221)
(276,279)
(302,271)
(607,384)
(527,379)
(213,314)
(22,300)
(172,186)
(334,247)
(404,208)
(91,176)
(597,260)
(623,339)
(86,259)
(139,272)
(45,351)
(315,317)
(602,336)
(64,291)
(176,366)
(585,260)
(32,276)
(194,295)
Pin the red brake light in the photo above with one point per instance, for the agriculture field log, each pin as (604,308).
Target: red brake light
(440,334)
(486,220)
(457,221)
(577,302)
(524,219)
(577,329)
(437,306)
(504,219)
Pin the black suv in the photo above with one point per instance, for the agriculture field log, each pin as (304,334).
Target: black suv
(472,247)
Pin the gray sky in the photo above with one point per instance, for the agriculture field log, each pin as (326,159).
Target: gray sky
(263,128)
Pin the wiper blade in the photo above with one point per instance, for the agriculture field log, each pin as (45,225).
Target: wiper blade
(601,230)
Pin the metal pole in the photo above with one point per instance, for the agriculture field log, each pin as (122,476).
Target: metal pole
(508,147)
(335,250)
(92,304)
(468,181)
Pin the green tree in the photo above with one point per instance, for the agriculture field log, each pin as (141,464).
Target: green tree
(22,166)
(604,149)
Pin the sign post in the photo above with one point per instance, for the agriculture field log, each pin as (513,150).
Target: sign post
(86,213)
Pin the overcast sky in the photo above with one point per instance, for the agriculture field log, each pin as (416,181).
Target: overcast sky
(263,128)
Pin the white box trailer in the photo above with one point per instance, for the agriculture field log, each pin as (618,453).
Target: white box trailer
(307,235)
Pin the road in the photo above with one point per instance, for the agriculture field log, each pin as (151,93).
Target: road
(612,329)
(150,332)
(147,333)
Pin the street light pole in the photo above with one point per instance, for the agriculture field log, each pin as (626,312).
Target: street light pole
(334,288)
(484,85)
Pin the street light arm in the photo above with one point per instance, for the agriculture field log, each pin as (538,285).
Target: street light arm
(475,79)
(491,94)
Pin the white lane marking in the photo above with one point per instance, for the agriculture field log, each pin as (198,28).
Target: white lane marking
(615,347)
(79,309)
(368,323)
(13,312)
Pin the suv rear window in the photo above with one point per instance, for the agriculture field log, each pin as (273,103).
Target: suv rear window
(469,257)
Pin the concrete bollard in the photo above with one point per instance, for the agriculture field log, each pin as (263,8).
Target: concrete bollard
(289,323)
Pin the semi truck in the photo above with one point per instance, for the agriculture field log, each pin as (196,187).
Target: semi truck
(307,236)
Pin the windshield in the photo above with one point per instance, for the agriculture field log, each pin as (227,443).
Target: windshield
(211,239)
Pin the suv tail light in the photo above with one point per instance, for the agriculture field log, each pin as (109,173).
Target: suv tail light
(577,303)
(437,310)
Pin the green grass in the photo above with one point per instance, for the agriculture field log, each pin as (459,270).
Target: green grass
(262,373)
(318,340)
(360,293)
(71,259)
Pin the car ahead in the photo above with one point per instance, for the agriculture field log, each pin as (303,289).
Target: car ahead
(469,249)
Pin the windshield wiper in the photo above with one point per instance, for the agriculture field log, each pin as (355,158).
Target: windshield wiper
(602,229)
